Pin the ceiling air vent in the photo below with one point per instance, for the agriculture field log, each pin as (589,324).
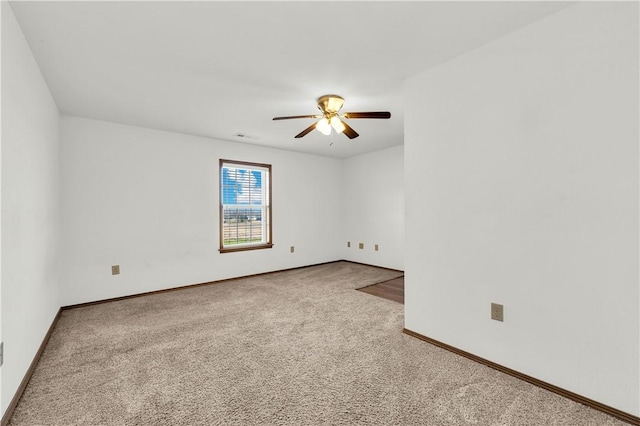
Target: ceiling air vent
(241,135)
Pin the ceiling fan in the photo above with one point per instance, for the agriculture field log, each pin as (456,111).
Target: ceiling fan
(330,106)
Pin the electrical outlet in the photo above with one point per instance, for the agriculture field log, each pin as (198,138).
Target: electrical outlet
(361,246)
(115,270)
(293,249)
(348,243)
(375,247)
(497,312)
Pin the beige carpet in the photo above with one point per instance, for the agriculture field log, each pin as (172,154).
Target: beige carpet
(294,348)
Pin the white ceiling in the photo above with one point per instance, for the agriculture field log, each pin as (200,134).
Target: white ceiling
(216,69)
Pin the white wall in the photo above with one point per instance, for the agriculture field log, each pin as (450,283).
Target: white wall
(30,206)
(148,201)
(373,208)
(521,164)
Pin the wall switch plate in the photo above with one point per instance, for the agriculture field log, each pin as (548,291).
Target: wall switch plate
(497,312)
(115,270)
(361,246)
(348,243)
(375,247)
(293,249)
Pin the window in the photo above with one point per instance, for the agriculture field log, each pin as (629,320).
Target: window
(245,206)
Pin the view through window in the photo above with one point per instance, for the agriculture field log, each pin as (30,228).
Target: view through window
(245,206)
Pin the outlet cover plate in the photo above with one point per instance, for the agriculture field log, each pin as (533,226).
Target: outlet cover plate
(497,312)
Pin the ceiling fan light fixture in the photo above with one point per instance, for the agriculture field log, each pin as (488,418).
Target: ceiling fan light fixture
(337,124)
(330,118)
(323,126)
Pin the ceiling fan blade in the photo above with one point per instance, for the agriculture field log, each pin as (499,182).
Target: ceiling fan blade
(305,131)
(373,114)
(296,116)
(349,132)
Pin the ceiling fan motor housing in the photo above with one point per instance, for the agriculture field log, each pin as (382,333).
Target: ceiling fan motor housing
(330,104)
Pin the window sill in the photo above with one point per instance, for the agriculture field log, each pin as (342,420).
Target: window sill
(246,248)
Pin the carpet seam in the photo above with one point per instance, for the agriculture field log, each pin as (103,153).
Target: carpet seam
(381,282)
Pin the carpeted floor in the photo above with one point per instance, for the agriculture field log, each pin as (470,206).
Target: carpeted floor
(293,348)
